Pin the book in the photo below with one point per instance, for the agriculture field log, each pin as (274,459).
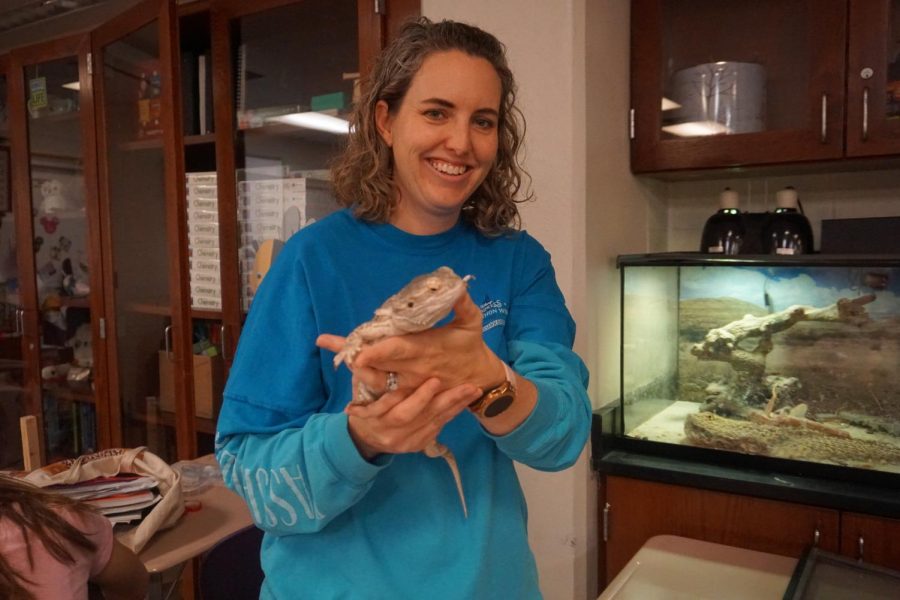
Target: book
(104,486)
(120,502)
(189,89)
(204,94)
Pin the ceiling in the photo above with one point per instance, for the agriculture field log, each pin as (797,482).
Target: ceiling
(27,22)
(20,13)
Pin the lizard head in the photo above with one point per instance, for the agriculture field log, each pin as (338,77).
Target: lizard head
(425,300)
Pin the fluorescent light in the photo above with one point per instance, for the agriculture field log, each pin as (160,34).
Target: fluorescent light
(669,104)
(73,85)
(314,120)
(696,128)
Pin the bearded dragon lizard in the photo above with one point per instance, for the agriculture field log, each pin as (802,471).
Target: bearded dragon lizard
(416,307)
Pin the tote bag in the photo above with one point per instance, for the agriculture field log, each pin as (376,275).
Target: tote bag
(113,461)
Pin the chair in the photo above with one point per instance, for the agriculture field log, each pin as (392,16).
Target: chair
(231,570)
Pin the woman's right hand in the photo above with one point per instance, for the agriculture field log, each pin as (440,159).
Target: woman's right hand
(399,422)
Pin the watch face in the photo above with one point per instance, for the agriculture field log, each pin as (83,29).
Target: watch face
(499,405)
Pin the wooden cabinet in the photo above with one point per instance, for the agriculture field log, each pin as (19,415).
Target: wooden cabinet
(730,83)
(634,510)
(873,539)
(122,119)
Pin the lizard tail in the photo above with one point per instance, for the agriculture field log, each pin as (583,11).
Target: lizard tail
(436,450)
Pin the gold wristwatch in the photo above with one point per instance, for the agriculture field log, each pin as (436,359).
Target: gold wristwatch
(496,400)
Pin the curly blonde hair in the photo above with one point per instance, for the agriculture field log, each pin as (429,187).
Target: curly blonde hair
(362,176)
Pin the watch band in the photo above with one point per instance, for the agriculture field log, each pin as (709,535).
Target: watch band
(496,400)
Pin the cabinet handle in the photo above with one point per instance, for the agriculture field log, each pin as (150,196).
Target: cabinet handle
(222,337)
(817,535)
(20,321)
(166,335)
(824,116)
(865,114)
(606,522)
(861,545)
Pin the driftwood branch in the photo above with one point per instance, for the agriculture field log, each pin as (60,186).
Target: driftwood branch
(721,344)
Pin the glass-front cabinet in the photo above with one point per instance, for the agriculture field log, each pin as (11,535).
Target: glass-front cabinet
(288,119)
(873,78)
(61,255)
(150,171)
(50,283)
(140,200)
(726,83)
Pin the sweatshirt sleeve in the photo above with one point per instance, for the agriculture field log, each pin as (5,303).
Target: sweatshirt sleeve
(540,333)
(299,479)
(282,439)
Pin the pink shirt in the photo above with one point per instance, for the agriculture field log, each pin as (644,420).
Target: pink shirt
(53,580)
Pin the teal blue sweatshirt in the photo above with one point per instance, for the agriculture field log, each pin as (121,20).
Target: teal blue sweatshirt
(338,526)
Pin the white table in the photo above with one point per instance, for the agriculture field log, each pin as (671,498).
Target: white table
(670,567)
(221,513)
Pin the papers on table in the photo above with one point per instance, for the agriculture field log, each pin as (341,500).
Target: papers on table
(122,498)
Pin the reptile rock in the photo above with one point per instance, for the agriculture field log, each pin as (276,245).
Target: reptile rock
(712,431)
(416,307)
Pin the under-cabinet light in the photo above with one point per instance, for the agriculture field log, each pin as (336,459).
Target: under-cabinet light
(696,128)
(314,120)
(73,85)
(669,104)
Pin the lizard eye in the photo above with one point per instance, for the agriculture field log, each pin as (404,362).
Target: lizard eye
(410,304)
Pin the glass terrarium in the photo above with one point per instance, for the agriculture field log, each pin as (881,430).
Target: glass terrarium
(792,358)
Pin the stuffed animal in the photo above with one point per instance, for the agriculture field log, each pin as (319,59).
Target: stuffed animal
(53,199)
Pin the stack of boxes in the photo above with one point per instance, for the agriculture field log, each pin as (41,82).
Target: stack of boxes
(203,240)
(274,209)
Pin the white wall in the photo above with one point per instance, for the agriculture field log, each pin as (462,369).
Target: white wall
(587,203)
(824,196)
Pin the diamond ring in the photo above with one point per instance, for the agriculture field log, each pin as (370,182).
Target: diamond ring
(391,381)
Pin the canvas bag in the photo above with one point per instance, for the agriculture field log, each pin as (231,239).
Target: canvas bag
(113,461)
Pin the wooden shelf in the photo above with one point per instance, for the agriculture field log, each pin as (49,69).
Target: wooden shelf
(194,140)
(64,392)
(75,301)
(149,309)
(211,315)
(148,144)
(167,419)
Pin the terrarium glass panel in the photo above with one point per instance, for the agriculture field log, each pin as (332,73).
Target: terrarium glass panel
(798,361)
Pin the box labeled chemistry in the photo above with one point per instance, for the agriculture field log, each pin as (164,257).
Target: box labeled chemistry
(791,358)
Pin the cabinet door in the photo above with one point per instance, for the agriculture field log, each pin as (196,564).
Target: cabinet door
(638,510)
(873,78)
(12,392)
(142,198)
(56,226)
(723,83)
(873,539)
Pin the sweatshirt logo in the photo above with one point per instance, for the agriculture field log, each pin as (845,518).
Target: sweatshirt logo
(493,314)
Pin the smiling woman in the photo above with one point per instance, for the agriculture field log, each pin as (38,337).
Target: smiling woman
(444,139)
(349,502)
